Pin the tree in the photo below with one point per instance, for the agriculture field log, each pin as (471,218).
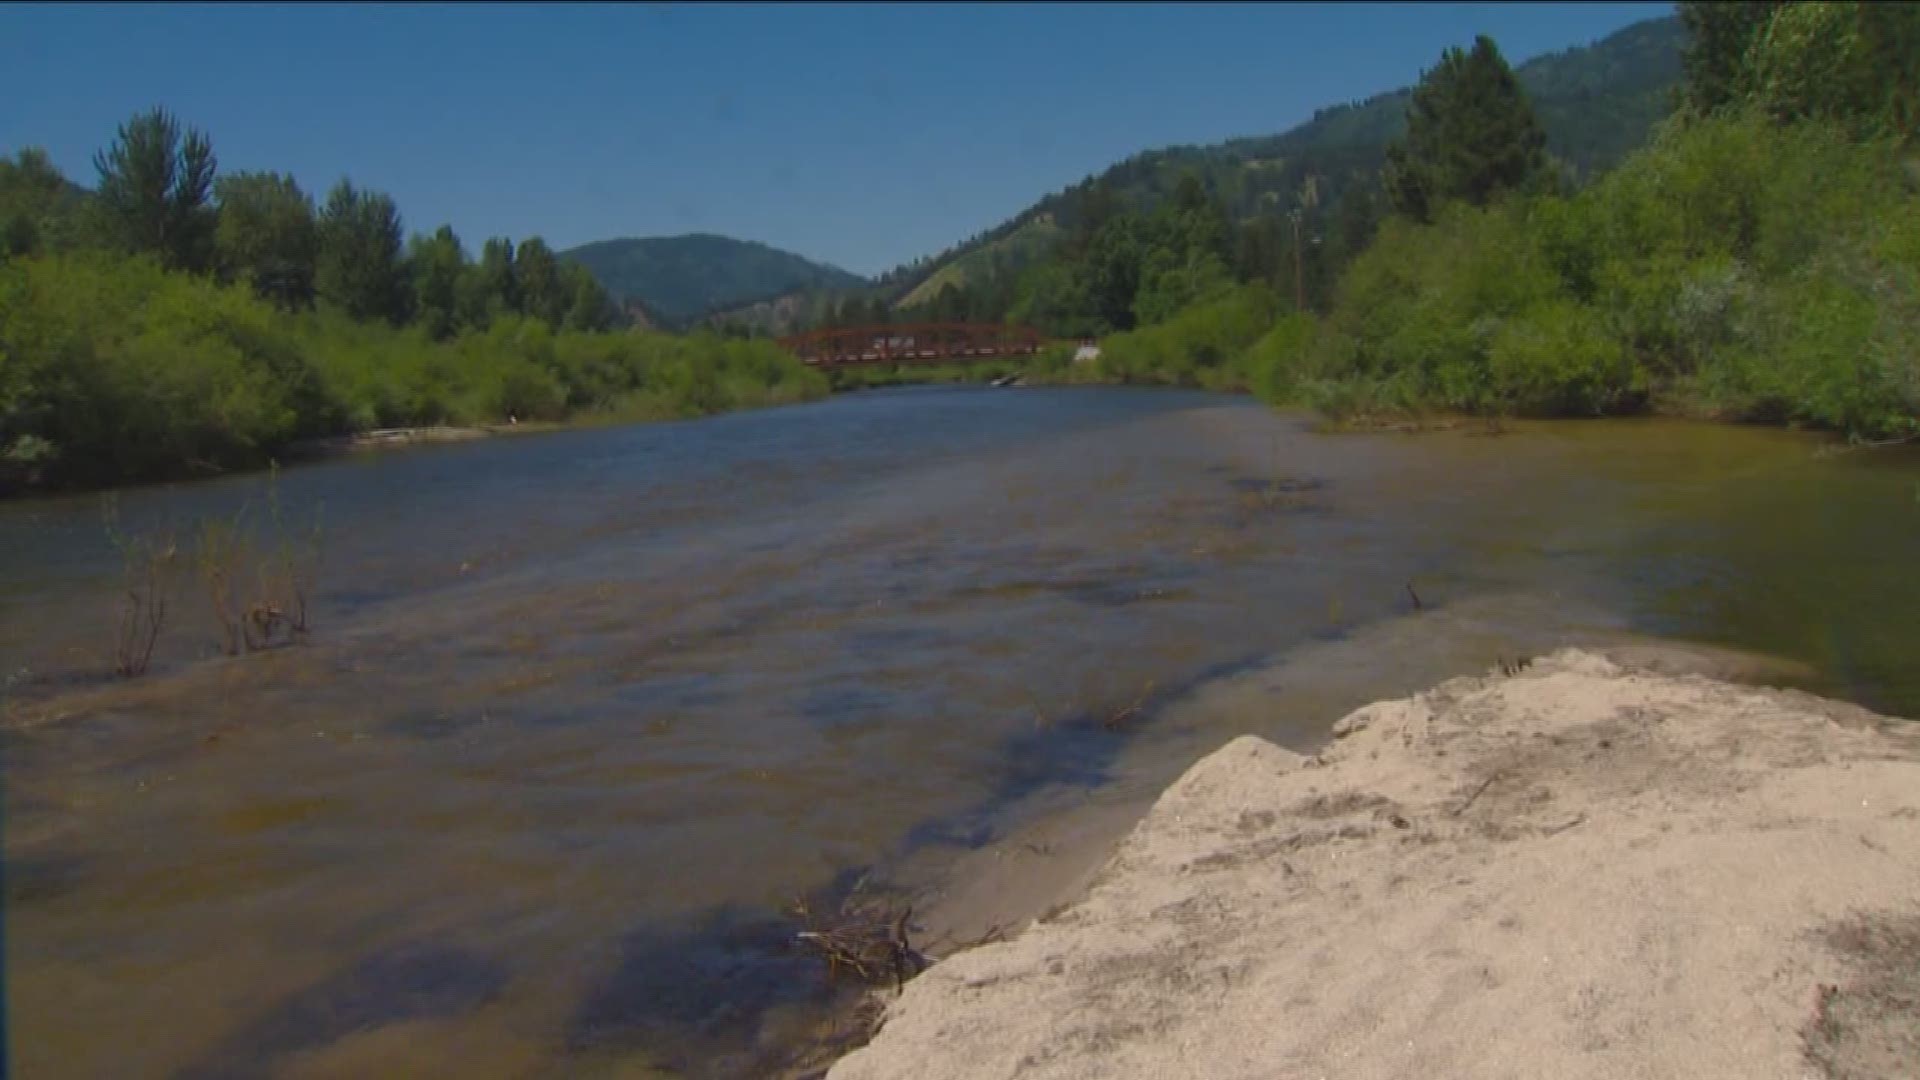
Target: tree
(590,308)
(1471,134)
(1113,271)
(1719,36)
(1257,249)
(359,267)
(499,287)
(36,205)
(1854,63)
(1356,215)
(537,273)
(266,235)
(437,266)
(154,188)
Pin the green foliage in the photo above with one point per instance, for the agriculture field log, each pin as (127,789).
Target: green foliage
(1736,268)
(537,272)
(682,278)
(437,266)
(118,367)
(154,187)
(266,235)
(40,210)
(1202,345)
(1276,363)
(114,370)
(1719,35)
(1853,63)
(359,268)
(1471,134)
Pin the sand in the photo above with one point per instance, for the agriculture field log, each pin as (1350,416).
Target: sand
(1593,867)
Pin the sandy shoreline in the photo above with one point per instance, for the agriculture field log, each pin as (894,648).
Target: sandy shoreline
(1595,866)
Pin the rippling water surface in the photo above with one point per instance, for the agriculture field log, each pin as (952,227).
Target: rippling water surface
(583,710)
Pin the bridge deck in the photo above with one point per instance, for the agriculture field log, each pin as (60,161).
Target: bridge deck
(912,343)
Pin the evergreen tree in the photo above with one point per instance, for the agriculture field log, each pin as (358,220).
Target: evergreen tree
(359,267)
(1471,134)
(155,183)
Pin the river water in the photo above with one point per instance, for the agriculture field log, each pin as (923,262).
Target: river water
(581,711)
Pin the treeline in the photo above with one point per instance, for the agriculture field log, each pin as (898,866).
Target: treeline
(159,195)
(1759,260)
(177,321)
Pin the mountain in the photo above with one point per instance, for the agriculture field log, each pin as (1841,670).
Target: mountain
(1597,103)
(678,279)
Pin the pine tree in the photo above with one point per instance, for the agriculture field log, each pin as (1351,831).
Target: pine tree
(1471,134)
(155,183)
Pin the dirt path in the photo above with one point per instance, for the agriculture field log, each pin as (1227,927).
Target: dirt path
(1578,870)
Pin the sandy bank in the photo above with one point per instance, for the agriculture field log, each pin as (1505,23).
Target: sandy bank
(392,438)
(1580,870)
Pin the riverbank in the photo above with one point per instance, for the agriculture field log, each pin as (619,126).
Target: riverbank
(1587,867)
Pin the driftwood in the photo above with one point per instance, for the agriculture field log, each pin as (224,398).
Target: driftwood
(865,938)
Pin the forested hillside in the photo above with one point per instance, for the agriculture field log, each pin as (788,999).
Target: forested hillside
(1757,260)
(681,278)
(1596,103)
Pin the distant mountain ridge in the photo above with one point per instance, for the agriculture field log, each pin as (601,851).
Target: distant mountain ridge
(679,279)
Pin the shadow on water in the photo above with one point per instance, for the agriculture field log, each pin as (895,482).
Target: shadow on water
(691,996)
(1076,751)
(412,982)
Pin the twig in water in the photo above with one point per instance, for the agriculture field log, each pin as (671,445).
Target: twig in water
(1417,605)
(1132,710)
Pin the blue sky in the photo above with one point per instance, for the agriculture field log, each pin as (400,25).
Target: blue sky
(861,134)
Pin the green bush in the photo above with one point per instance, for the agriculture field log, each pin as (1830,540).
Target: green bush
(1203,345)
(1736,267)
(114,370)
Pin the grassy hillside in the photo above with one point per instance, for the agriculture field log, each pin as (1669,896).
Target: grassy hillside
(681,278)
(1597,103)
(1021,246)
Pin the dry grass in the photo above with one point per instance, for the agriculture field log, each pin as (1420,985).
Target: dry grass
(146,571)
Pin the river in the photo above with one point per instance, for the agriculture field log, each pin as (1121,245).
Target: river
(581,711)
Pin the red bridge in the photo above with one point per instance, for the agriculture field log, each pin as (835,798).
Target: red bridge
(913,343)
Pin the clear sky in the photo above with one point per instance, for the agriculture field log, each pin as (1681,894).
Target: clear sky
(861,134)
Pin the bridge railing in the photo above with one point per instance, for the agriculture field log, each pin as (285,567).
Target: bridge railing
(912,343)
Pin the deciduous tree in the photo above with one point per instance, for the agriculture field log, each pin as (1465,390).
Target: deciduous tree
(266,235)
(359,268)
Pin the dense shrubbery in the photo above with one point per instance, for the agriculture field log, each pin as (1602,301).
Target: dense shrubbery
(112,370)
(1736,268)
(1760,260)
(1202,345)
